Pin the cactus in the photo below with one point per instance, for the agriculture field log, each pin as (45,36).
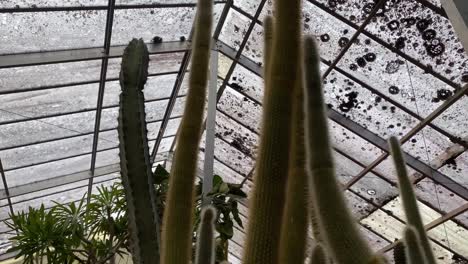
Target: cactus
(408,197)
(178,215)
(134,155)
(399,255)
(268,195)
(295,218)
(205,244)
(268,39)
(319,255)
(413,250)
(341,236)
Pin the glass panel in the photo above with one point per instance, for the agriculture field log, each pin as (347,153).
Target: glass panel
(425,35)
(247,82)
(353,145)
(375,189)
(231,157)
(249,6)
(396,208)
(48,170)
(355,11)
(156,87)
(108,157)
(457,169)
(365,108)
(136,2)
(462,219)
(13,79)
(45,129)
(159,63)
(172,127)
(234,29)
(375,242)
(34,154)
(167,23)
(393,76)
(437,196)
(452,236)
(452,121)
(237,135)
(387,169)
(49,3)
(383,224)
(235,105)
(52,31)
(359,207)
(428,145)
(47,102)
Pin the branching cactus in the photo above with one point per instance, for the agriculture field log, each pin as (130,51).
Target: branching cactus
(178,215)
(413,217)
(268,195)
(341,236)
(134,156)
(205,253)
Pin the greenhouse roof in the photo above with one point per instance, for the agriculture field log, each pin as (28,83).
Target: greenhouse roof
(390,68)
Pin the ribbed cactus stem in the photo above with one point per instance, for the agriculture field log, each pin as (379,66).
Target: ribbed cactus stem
(399,256)
(413,217)
(134,156)
(295,218)
(413,250)
(341,236)
(205,253)
(268,32)
(268,195)
(319,256)
(178,215)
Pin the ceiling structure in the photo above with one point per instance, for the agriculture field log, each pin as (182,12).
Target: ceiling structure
(390,68)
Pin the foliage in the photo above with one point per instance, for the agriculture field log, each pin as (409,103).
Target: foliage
(86,233)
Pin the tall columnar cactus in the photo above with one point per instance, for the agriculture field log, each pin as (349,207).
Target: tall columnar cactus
(319,256)
(399,256)
(408,197)
(178,215)
(134,156)
(268,31)
(341,236)
(295,218)
(262,243)
(205,253)
(413,250)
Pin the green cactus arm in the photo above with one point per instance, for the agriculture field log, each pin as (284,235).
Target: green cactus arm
(399,256)
(205,253)
(178,215)
(413,250)
(378,259)
(413,217)
(295,217)
(268,195)
(319,256)
(134,156)
(341,236)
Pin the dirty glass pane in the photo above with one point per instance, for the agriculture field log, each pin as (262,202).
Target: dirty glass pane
(51,30)
(49,3)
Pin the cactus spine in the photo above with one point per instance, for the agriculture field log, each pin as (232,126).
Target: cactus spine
(341,236)
(178,215)
(267,198)
(205,242)
(319,255)
(408,197)
(413,250)
(295,218)
(134,156)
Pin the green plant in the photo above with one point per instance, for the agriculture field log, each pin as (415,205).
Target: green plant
(318,255)
(399,256)
(135,164)
(77,232)
(178,215)
(413,249)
